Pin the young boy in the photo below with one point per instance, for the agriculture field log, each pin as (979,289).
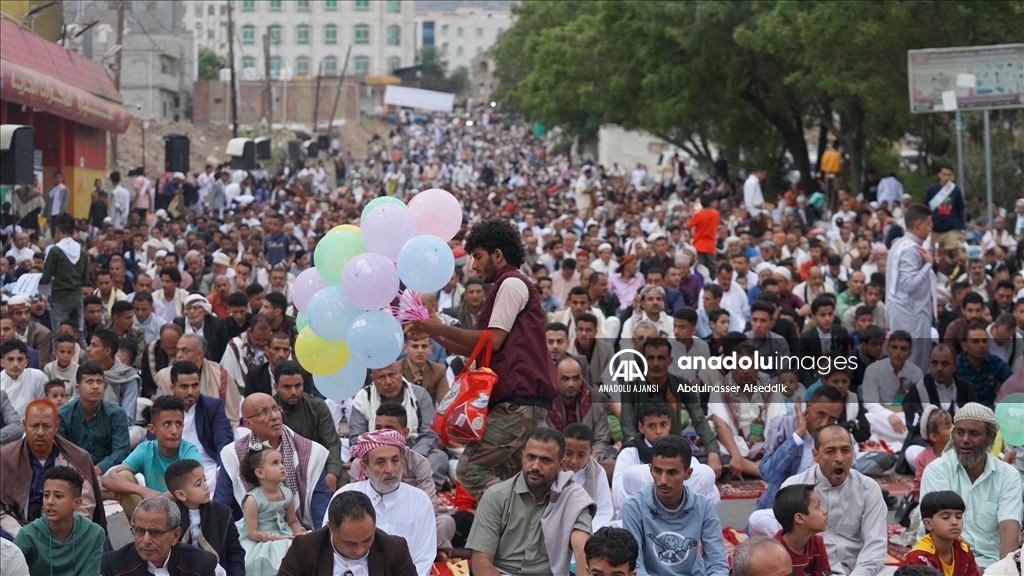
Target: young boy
(127,354)
(792,390)
(204,523)
(676,525)
(863,317)
(632,466)
(22,384)
(587,472)
(942,547)
(611,552)
(152,457)
(64,367)
(60,541)
(798,509)
(56,392)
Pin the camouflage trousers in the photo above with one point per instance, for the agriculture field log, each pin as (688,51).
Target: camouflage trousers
(499,454)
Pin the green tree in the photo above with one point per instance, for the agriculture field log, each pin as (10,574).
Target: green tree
(210,64)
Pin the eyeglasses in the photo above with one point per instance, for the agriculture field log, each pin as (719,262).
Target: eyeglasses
(265,413)
(155,533)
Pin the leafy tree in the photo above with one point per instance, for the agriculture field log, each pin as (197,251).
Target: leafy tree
(434,73)
(210,64)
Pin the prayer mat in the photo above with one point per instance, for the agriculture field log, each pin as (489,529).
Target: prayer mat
(742,489)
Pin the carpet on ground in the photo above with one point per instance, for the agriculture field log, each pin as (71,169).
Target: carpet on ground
(896,485)
(742,489)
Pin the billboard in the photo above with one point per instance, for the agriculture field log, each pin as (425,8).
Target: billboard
(969,78)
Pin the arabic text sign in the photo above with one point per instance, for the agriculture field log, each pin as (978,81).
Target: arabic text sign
(982,77)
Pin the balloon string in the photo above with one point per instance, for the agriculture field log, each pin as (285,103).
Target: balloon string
(410,308)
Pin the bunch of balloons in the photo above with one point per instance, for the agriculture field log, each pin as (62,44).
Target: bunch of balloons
(344,327)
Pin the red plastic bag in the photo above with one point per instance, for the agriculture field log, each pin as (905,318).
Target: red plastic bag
(462,413)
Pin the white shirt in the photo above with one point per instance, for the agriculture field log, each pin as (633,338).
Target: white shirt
(889,190)
(882,384)
(630,475)
(30,386)
(158,571)
(194,519)
(189,433)
(753,198)
(637,177)
(19,252)
(343,565)
(603,498)
(406,512)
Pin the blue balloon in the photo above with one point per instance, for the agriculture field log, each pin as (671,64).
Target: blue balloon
(426,263)
(330,314)
(375,339)
(344,383)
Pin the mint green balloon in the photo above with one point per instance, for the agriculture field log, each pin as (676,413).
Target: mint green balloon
(377,202)
(301,322)
(333,252)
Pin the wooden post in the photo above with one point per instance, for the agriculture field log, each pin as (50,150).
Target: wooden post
(117,75)
(316,95)
(231,61)
(337,95)
(266,78)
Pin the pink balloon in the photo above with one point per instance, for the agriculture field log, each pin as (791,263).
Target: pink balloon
(386,228)
(437,213)
(370,281)
(306,285)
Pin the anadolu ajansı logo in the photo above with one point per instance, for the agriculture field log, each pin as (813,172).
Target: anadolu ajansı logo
(628,369)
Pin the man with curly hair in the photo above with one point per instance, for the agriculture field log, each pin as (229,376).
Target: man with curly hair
(526,377)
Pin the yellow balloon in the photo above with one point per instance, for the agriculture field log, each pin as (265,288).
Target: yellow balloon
(353,229)
(319,356)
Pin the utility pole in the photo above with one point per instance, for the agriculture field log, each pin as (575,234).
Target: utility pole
(231,61)
(267,113)
(337,95)
(316,96)
(117,71)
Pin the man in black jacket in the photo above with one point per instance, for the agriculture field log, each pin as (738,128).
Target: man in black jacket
(825,337)
(940,387)
(199,319)
(215,531)
(259,378)
(156,526)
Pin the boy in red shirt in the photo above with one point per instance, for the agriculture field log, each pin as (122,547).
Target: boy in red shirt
(942,514)
(798,509)
(703,223)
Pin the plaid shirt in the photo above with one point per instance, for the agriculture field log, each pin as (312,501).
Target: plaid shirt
(987,379)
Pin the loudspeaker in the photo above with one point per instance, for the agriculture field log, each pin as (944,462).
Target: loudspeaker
(16,154)
(295,151)
(323,141)
(312,149)
(262,148)
(176,153)
(247,161)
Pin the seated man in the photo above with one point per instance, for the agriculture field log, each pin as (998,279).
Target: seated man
(885,385)
(761,556)
(389,386)
(579,402)
(760,337)
(204,523)
(157,550)
(415,468)
(611,552)
(304,461)
(679,531)
(308,416)
(740,418)
(984,370)
(122,382)
(586,471)
(248,350)
(505,538)
(350,543)
(25,462)
(199,319)
(22,384)
(152,457)
(259,379)
(856,539)
(160,353)
(990,487)
(940,387)
(214,379)
(420,370)
(401,509)
(206,427)
(94,424)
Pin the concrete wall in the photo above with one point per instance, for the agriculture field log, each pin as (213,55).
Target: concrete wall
(627,147)
(212,101)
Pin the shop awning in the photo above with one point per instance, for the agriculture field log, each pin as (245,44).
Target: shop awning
(38,73)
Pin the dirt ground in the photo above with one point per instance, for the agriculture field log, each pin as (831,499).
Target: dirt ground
(207,143)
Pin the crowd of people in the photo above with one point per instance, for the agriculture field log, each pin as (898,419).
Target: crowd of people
(655,335)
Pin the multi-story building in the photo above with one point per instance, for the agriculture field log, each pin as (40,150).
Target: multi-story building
(462,34)
(157,62)
(308,37)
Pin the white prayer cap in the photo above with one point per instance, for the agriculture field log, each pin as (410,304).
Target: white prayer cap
(784,272)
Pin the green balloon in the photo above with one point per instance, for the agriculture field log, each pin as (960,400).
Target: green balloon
(333,252)
(1010,415)
(301,322)
(377,202)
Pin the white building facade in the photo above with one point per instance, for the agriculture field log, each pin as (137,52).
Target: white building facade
(308,37)
(462,34)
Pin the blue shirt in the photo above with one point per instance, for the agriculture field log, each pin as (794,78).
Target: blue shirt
(104,436)
(277,247)
(987,379)
(147,460)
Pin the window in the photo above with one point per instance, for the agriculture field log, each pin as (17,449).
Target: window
(167,66)
(479,32)
(275,5)
(330,34)
(394,35)
(223,10)
(362,34)
(199,10)
(248,62)
(210,35)
(458,31)
(303,6)
(331,5)
(302,34)
(362,5)
(362,65)
(275,66)
(394,6)
(302,66)
(211,10)
(459,50)
(444,30)
(275,34)
(428,34)
(330,66)
(248,34)
(248,5)
(394,63)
